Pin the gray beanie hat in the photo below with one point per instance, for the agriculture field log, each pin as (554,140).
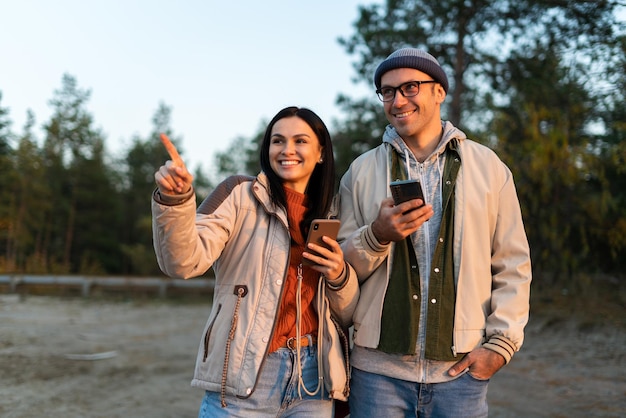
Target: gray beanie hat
(412,58)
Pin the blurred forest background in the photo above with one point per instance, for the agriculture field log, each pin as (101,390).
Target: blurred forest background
(542,82)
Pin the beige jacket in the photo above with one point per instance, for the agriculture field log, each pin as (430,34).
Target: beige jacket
(245,238)
(491,253)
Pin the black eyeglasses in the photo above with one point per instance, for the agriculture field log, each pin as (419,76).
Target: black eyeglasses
(408,89)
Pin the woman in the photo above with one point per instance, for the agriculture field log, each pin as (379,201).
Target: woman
(270,346)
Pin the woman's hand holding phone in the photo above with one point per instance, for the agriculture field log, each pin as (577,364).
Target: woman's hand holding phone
(322,252)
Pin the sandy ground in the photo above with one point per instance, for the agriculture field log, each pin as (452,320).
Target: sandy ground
(567,368)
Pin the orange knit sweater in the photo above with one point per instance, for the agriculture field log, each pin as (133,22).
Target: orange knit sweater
(286,321)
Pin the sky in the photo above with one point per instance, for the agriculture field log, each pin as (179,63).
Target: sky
(224,67)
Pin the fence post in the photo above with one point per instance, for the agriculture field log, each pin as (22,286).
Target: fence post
(86,287)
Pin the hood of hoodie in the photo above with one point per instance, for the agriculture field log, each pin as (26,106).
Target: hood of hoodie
(449,132)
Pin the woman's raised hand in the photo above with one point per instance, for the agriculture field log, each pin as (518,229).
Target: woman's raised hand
(173,177)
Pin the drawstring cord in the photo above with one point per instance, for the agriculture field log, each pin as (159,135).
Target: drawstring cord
(321,299)
(406,163)
(231,336)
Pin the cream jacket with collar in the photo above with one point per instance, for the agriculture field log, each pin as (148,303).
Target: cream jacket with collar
(245,238)
(491,253)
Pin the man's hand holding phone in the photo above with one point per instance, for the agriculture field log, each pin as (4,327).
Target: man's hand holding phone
(402,214)
(406,190)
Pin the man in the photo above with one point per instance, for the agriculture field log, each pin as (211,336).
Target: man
(445,280)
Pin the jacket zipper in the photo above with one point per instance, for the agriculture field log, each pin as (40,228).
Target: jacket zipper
(280,299)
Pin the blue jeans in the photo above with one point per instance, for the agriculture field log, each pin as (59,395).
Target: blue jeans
(373,395)
(276,392)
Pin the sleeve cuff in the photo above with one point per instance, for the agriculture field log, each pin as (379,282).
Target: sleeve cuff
(370,239)
(171,199)
(340,282)
(502,346)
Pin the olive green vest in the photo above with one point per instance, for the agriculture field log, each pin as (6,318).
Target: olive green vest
(401,313)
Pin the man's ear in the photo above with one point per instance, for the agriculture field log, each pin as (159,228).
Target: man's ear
(440,93)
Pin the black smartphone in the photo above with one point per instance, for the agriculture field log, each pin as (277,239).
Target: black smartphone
(319,228)
(405,190)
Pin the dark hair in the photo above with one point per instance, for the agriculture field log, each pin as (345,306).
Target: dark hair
(321,187)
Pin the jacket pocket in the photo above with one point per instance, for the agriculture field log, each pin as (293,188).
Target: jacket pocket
(207,335)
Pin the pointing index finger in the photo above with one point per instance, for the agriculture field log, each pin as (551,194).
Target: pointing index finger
(171,150)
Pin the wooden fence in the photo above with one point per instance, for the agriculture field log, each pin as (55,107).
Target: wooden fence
(86,285)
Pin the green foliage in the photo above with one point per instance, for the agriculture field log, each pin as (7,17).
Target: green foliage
(202,184)
(543,82)
(5,130)
(360,131)
(143,159)
(32,200)
(66,210)
(552,128)
(534,79)
(140,254)
(241,157)
(8,177)
(76,177)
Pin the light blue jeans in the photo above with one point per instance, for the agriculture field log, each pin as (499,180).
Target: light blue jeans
(373,395)
(276,393)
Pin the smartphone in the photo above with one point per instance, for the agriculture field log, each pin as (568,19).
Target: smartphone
(319,228)
(405,190)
